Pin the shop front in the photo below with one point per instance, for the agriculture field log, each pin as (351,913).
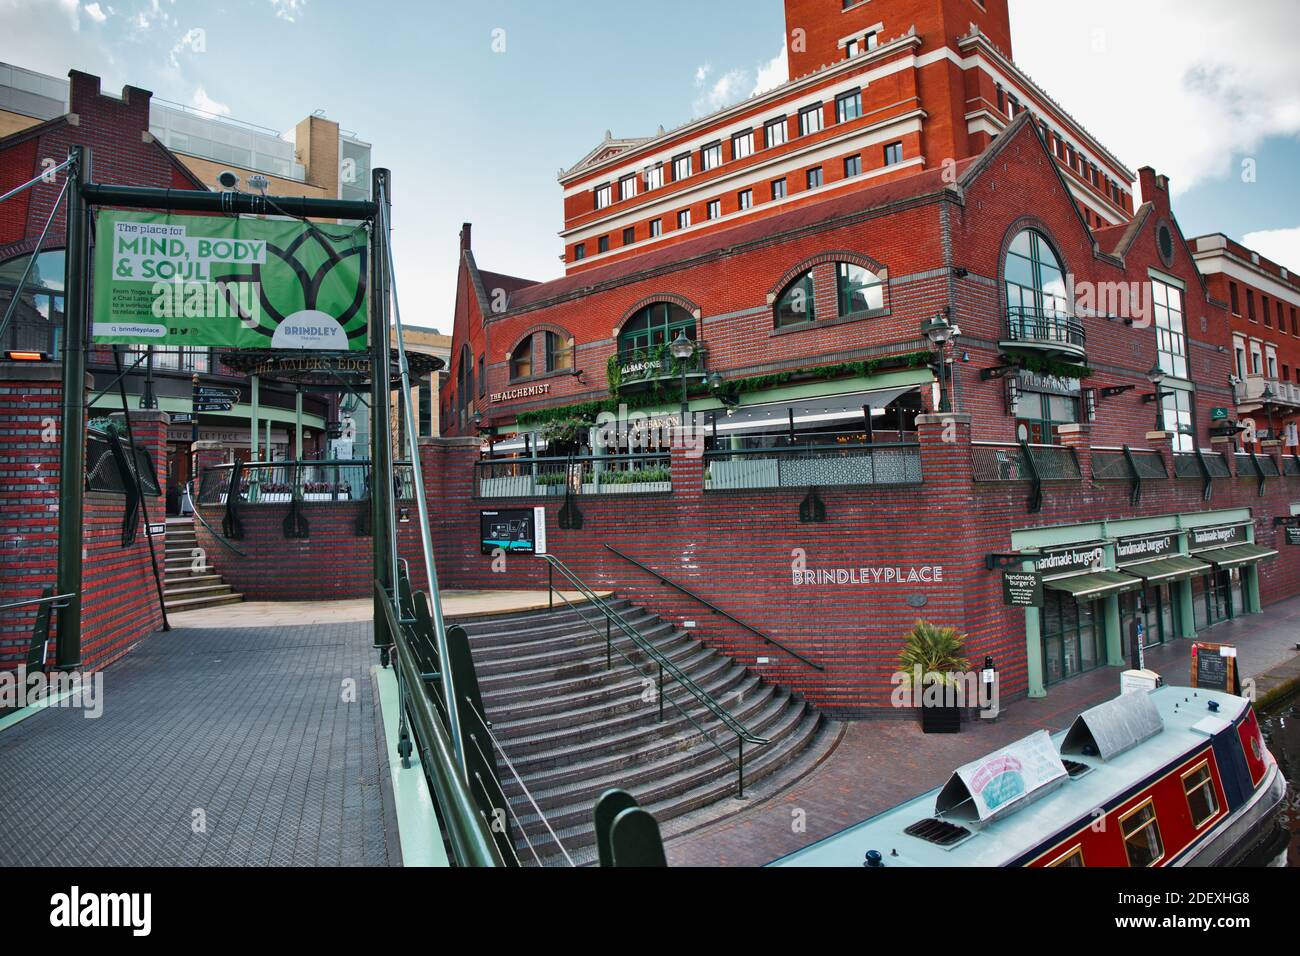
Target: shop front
(1110,587)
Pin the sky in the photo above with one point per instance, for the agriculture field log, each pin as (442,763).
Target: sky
(475,106)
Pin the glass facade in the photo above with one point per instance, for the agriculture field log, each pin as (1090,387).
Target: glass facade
(37,323)
(1071,635)
(796,305)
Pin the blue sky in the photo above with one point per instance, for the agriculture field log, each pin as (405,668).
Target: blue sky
(476,134)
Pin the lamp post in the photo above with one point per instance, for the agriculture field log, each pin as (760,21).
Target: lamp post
(941,332)
(1157,378)
(682,349)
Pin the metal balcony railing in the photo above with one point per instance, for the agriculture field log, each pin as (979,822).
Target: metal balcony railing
(1280,392)
(585,475)
(1034,326)
(811,466)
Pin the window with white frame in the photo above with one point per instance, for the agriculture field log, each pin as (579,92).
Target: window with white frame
(683,219)
(1256,359)
(656,228)
(848,106)
(1270,359)
(711,156)
(742,144)
(1177,408)
(654,176)
(1171,335)
(778,189)
(627,187)
(603,196)
(775,132)
(1239,349)
(714,209)
(681,167)
(745,198)
(810,119)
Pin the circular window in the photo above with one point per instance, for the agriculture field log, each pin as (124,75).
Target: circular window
(1165,242)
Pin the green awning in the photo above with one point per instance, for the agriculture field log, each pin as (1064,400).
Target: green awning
(1169,569)
(1237,555)
(1097,584)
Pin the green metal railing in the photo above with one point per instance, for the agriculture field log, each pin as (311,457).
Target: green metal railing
(46,604)
(666,668)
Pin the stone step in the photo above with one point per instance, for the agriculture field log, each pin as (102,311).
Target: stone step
(172,581)
(198,591)
(190,604)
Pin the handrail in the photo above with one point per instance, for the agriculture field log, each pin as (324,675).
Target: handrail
(715,609)
(55,599)
(799,449)
(204,521)
(468,832)
(612,617)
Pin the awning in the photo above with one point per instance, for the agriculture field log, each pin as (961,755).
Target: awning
(1237,555)
(1169,569)
(1097,584)
(809,411)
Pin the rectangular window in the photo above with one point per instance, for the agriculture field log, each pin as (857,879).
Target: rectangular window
(1250,305)
(482,376)
(1072,858)
(1171,336)
(893,154)
(683,219)
(603,196)
(1256,359)
(778,189)
(426,408)
(1268,316)
(656,228)
(851,49)
(1176,415)
(745,199)
(852,167)
(681,167)
(711,157)
(602,244)
(654,177)
(774,132)
(742,144)
(627,187)
(559,353)
(815,177)
(629,235)
(810,120)
(873,41)
(1281,319)
(1295,329)
(1142,836)
(580,251)
(1234,298)
(1201,798)
(848,106)
(714,209)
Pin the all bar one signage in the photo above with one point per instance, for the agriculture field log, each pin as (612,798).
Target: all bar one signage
(1145,548)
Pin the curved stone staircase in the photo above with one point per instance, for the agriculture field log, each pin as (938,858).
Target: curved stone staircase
(573,729)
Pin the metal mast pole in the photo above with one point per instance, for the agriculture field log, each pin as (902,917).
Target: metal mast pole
(381,462)
(72,433)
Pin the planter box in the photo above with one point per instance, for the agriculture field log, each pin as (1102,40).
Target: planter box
(941,720)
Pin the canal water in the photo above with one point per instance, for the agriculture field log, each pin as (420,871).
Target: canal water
(1282,730)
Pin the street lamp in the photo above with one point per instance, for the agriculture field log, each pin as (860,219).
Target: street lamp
(682,349)
(1157,377)
(941,332)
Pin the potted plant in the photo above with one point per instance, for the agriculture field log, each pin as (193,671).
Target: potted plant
(931,659)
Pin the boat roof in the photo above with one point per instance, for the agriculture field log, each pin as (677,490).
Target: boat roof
(1169,724)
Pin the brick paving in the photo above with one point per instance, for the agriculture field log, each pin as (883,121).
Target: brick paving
(882,763)
(247,725)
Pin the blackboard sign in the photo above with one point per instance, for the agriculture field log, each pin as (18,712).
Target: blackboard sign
(510,530)
(1293,534)
(1022,589)
(1214,667)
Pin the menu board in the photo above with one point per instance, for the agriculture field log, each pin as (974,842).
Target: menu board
(1214,667)
(1022,589)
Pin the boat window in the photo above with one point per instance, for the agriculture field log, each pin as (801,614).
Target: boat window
(1201,800)
(1072,858)
(1075,769)
(1142,836)
(938,832)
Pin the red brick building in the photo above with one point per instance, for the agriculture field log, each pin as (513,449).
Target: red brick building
(912,297)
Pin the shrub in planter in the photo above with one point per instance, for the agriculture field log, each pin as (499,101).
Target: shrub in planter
(931,658)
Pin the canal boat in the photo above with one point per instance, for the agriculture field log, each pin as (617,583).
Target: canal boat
(1171,777)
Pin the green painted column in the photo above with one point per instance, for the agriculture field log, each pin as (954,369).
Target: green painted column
(1034,654)
(1250,588)
(1186,609)
(1114,636)
(252,421)
(297,426)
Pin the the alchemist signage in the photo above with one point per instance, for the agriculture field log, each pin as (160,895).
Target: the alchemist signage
(1146,548)
(1072,560)
(1205,539)
(527,391)
(165,279)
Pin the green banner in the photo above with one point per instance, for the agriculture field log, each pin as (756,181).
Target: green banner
(164,279)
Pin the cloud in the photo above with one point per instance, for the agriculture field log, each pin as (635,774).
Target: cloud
(194,40)
(1187,86)
(207,104)
(1280,245)
(773,73)
(289,9)
(736,84)
(95,12)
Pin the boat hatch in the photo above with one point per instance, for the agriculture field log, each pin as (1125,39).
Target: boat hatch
(1075,769)
(939,832)
(1112,728)
(1003,781)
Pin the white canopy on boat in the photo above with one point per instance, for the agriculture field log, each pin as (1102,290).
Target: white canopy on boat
(1005,780)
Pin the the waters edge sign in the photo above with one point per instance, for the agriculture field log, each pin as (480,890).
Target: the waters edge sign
(225,281)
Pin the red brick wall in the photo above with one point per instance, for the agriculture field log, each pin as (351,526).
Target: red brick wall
(119,600)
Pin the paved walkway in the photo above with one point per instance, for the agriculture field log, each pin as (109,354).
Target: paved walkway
(881,763)
(216,747)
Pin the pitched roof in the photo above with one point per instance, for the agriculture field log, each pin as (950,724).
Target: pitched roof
(1117,239)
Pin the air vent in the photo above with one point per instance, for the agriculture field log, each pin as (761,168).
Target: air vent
(938,832)
(1075,769)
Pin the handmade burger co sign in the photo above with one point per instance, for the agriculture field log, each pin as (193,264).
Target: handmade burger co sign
(1206,539)
(1072,560)
(1146,548)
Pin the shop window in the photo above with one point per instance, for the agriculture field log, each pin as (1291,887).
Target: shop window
(1035,282)
(655,326)
(860,290)
(795,305)
(1141,831)
(521,360)
(1042,413)
(1202,802)
(559,353)
(1070,633)
(37,322)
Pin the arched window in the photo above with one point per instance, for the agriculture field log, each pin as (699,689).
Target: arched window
(521,360)
(1035,279)
(653,326)
(37,323)
(860,290)
(795,304)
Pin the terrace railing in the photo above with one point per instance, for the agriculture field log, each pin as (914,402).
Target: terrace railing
(586,475)
(811,466)
(1045,327)
(994,462)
